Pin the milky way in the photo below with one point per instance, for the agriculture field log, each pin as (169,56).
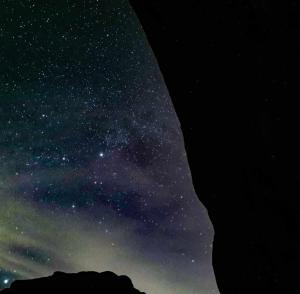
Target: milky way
(93,170)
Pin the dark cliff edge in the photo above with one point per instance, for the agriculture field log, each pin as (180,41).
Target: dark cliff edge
(232,70)
(83,282)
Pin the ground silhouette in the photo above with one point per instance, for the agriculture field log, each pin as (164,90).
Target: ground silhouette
(83,282)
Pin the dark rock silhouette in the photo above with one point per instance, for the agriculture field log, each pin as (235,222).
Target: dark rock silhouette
(232,70)
(83,282)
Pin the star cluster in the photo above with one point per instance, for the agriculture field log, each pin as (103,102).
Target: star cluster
(93,172)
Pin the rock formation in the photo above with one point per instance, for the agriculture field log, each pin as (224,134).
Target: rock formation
(231,68)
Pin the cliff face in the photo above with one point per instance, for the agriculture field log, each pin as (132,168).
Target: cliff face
(231,69)
(83,282)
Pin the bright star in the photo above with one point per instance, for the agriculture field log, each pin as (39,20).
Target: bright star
(6,281)
(101,154)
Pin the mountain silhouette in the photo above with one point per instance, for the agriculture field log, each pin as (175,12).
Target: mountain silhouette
(82,282)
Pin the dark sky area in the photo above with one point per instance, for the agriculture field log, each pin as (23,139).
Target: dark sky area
(93,170)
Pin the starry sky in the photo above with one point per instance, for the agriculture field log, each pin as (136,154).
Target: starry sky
(93,170)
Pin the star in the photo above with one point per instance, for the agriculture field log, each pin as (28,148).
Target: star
(6,281)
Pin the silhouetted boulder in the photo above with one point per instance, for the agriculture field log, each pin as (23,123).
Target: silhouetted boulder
(83,282)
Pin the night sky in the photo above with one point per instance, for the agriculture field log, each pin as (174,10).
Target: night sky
(93,170)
